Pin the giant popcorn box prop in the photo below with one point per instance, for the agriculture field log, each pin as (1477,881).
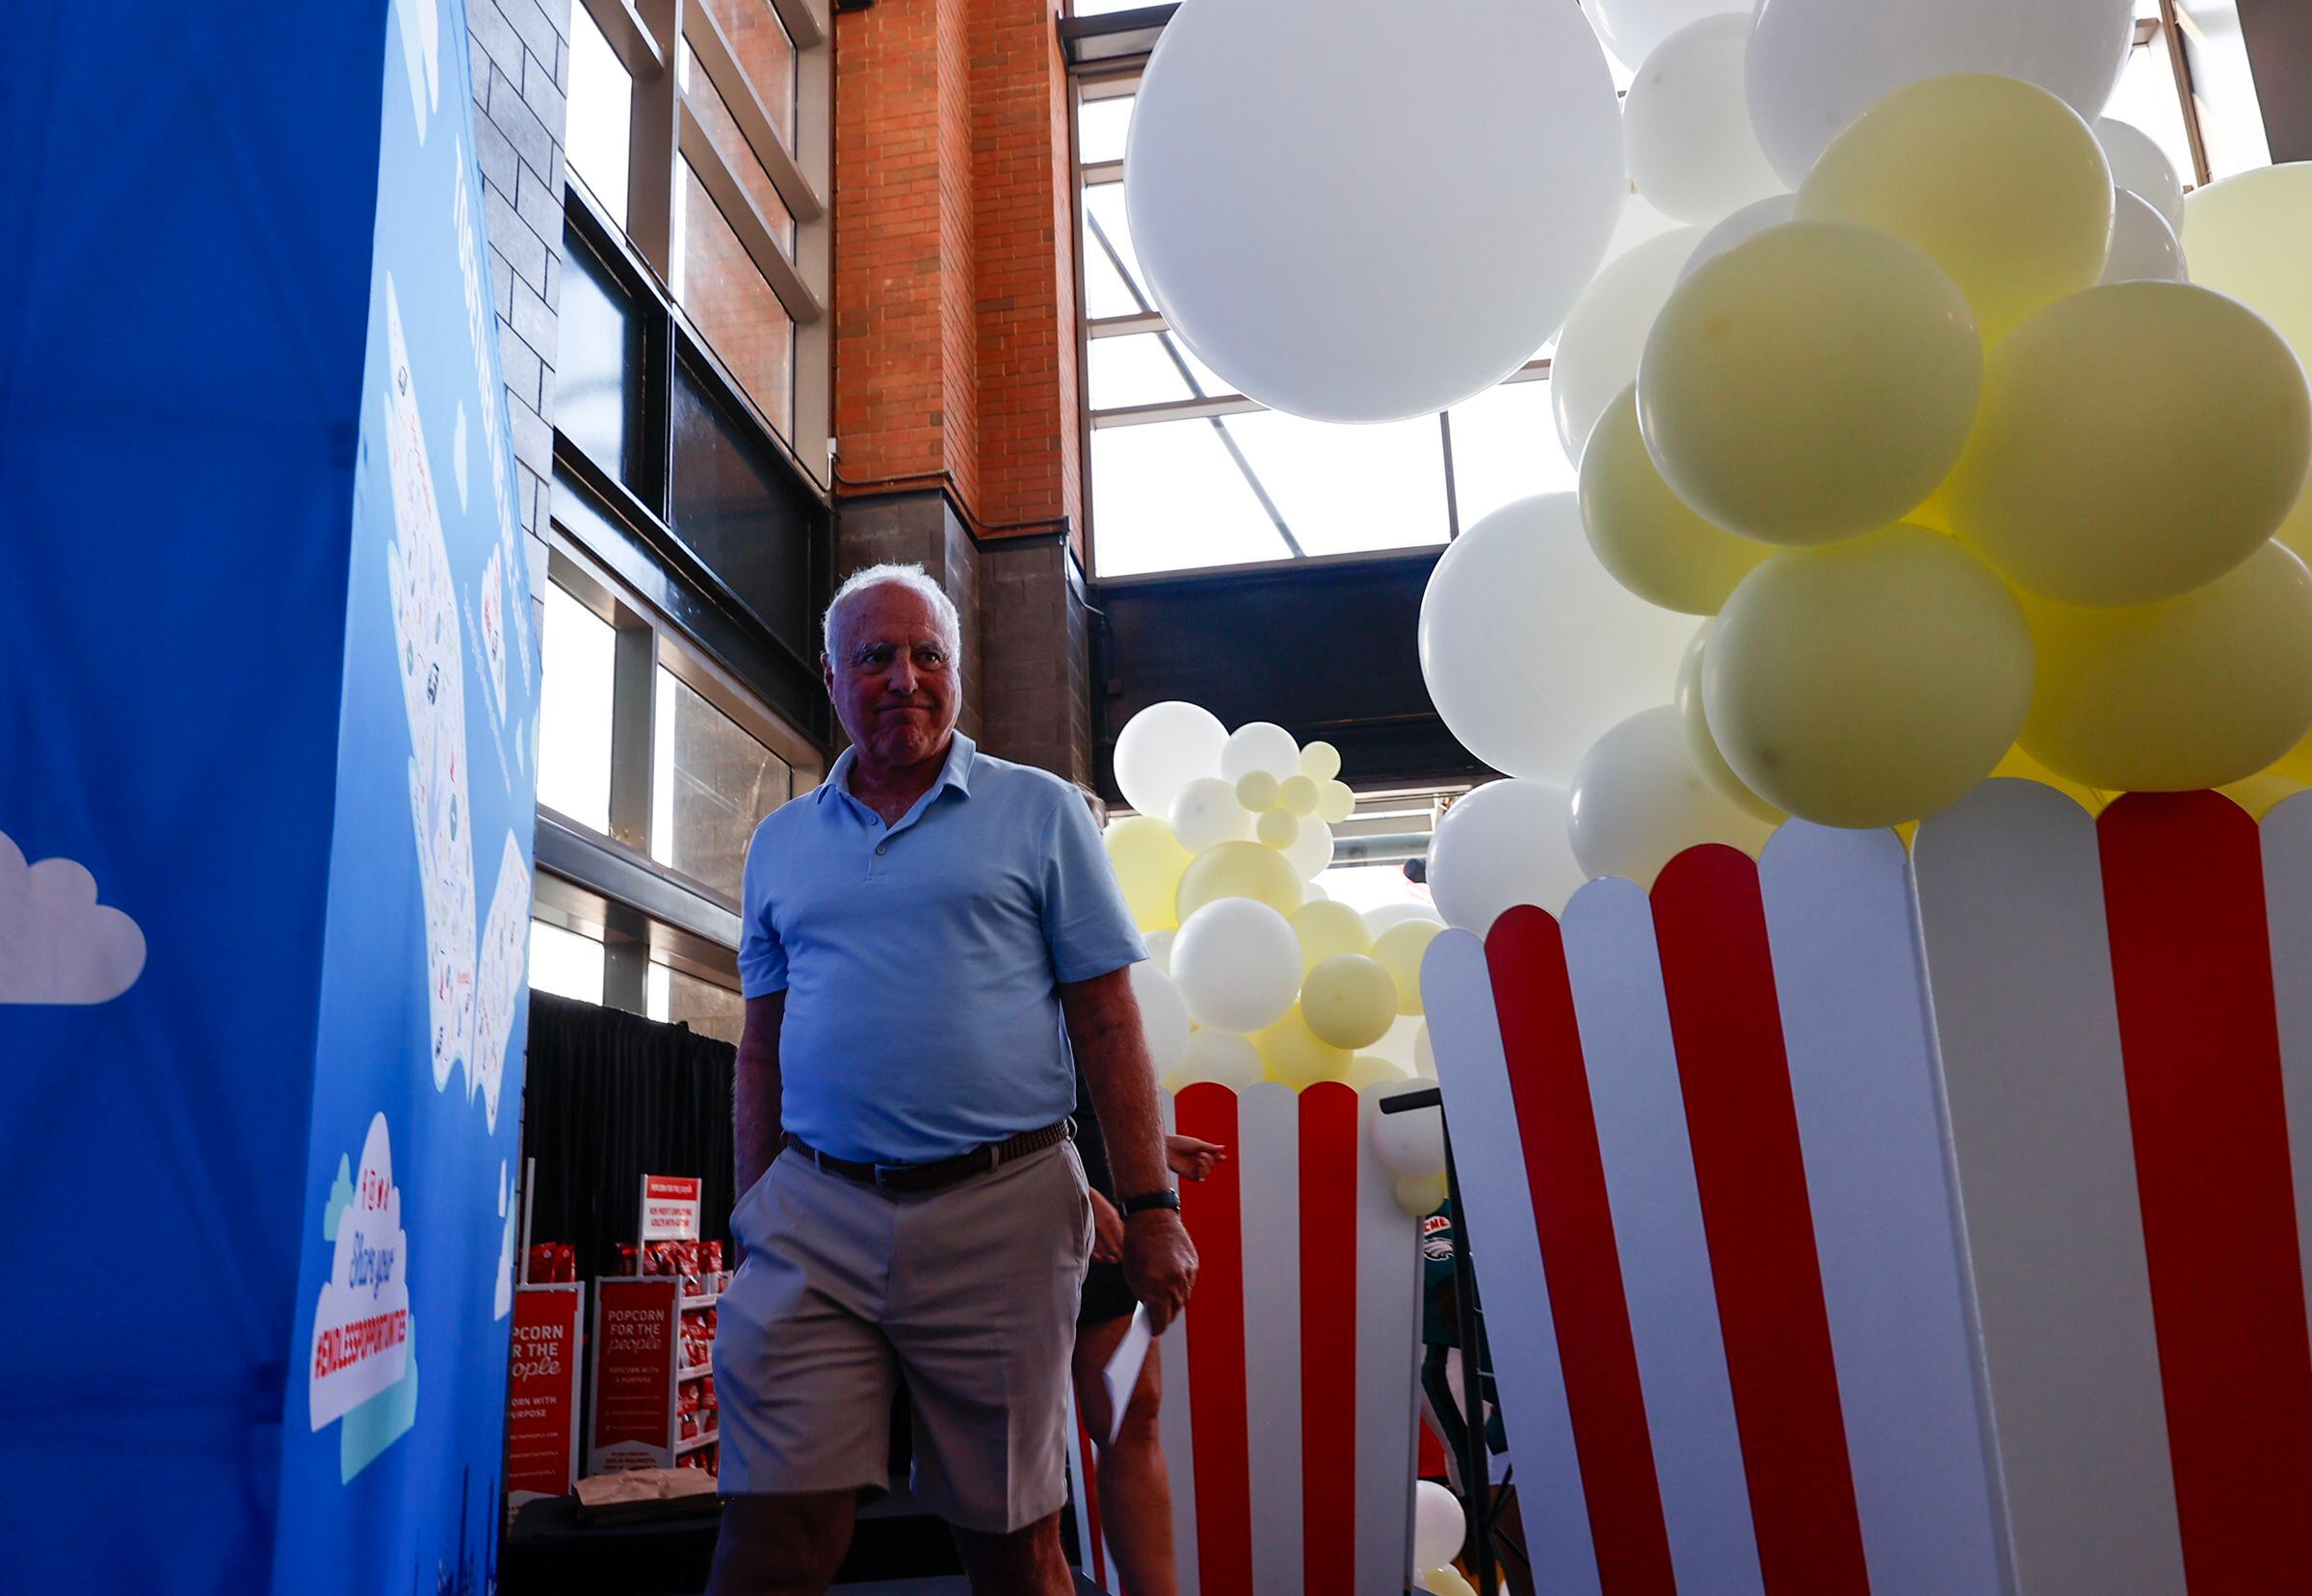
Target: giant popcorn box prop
(266,805)
(1288,1415)
(1924,1228)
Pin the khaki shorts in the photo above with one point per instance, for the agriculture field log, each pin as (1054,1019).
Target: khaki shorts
(966,1296)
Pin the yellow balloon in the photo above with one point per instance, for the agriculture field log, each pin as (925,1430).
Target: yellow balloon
(1446,1581)
(1371,1069)
(1297,1056)
(1298,793)
(1813,383)
(1349,1000)
(2021,767)
(1276,828)
(1425,1054)
(1996,178)
(2137,440)
(2199,691)
(2296,763)
(1869,683)
(1643,534)
(1336,801)
(1421,1195)
(1238,870)
(1400,950)
(1701,746)
(1256,791)
(1148,861)
(2261,793)
(1324,928)
(2250,237)
(1320,762)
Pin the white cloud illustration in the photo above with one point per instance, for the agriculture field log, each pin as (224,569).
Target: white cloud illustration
(505,1297)
(361,1322)
(58,944)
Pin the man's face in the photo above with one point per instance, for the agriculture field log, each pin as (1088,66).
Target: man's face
(893,677)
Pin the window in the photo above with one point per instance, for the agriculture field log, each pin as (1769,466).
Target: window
(718,281)
(713,785)
(598,131)
(579,655)
(706,1006)
(565,964)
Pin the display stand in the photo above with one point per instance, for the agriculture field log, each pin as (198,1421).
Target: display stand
(541,1393)
(653,1372)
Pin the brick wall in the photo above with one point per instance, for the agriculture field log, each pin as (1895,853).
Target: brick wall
(521,67)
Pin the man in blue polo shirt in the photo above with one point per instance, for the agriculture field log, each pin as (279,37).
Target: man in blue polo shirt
(933,941)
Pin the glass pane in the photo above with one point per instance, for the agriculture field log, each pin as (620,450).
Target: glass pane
(711,784)
(1104,290)
(1139,370)
(713,112)
(680,999)
(2146,98)
(600,115)
(1101,128)
(744,514)
(1104,209)
(598,361)
(565,964)
(1505,447)
(1344,489)
(734,305)
(580,652)
(760,46)
(1365,888)
(1167,497)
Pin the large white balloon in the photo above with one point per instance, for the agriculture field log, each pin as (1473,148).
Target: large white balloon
(1750,222)
(1597,352)
(1638,222)
(1530,650)
(2144,247)
(2140,165)
(1410,1141)
(1379,920)
(1314,256)
(1686,124)
(1163,1015)
(1206,814)
(1817,64)
(1221,1057)
(1503,844)
(1637,800)
(1238,964)
(1439,1526)
(1260,745)
(1310,851)
(1162,749)
(1634,29)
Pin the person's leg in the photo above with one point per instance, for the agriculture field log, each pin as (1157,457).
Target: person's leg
(1023,1562)
(783,1545)
(1135,1487)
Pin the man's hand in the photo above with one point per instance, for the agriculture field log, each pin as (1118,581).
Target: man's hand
(1160,1264)
(1107,1230)
(1191,1159)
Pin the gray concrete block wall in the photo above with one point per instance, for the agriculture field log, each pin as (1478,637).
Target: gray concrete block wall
(521,68)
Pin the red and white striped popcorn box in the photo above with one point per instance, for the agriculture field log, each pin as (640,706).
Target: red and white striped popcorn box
(1288,1417)
(1922,1225)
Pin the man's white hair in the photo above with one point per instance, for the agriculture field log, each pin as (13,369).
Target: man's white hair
(893,575)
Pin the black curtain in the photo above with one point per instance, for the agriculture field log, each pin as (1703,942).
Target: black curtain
(612,1097)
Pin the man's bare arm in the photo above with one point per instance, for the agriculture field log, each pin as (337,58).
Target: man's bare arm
(756,1090)
(1103,1026)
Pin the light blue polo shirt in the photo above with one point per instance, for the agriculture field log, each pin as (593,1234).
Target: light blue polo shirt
(920,961)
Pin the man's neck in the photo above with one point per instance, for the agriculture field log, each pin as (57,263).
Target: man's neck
(891,790)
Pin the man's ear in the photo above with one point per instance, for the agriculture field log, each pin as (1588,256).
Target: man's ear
(827,675)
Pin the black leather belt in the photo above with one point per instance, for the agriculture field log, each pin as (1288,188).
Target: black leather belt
(946,1171)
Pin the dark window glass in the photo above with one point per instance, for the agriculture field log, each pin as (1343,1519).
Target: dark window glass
(599,363)
(742,512)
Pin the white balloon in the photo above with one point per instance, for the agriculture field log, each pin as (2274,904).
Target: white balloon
(1206,814)
(2140,165)
(1635,29)
(1597,352)
(1638,223)
(1425,1054)
(1163,1015)
(1221,1057)
(1382,918)
(1259,746)
(1503,844)
(1439,1525)
(2144,247)
(1750,222)
(1817,64)
(1160,949)
(1396,1045)
(1530,649)
(1238,965)
(1412,1142)
(1686,124)
(1162,749)
(1311,852)
(1637,802)
(1267,242)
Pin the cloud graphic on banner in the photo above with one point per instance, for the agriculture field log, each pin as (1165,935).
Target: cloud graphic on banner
(341,1198)
(378,1423)
(457,452)
(361,1319)
(504,1299)
(58,944)
(421,54)
(505,956)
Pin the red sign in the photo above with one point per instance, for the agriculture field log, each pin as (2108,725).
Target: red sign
(669,1208)
(634,1372)
(541,1390)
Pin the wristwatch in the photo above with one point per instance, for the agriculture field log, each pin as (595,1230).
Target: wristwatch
(1168,1197)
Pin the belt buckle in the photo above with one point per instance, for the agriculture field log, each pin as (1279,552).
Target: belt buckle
(880,1185)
